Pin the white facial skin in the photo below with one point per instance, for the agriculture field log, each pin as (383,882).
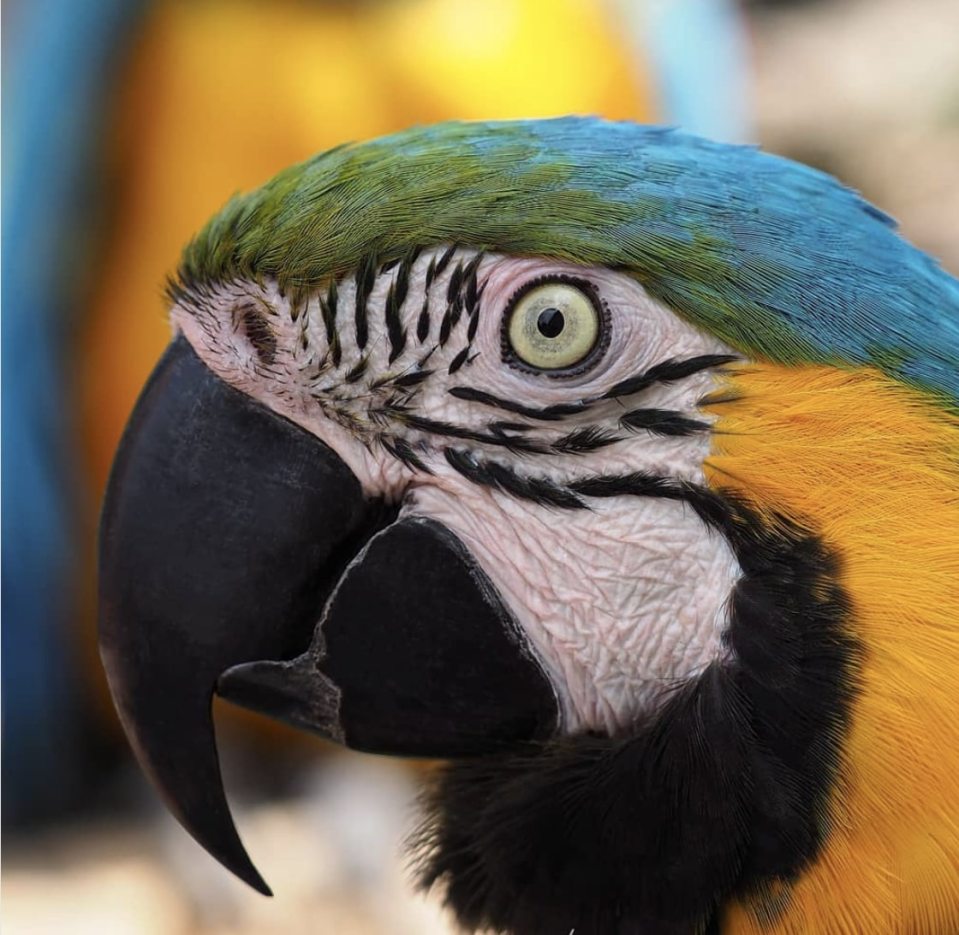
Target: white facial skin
(620,600)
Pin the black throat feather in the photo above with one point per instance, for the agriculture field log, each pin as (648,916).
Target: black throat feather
(721,792)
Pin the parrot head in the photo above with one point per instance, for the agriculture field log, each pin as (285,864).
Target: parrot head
(615,467)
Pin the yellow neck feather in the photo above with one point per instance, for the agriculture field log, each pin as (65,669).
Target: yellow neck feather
(874,468)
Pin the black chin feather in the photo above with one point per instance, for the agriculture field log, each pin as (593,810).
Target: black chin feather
(722,792)
(600,835)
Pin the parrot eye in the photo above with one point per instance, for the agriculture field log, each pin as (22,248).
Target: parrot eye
(553,326)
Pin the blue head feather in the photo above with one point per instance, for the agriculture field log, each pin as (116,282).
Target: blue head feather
(778,259)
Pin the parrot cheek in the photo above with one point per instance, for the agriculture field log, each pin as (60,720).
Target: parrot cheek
(616,601)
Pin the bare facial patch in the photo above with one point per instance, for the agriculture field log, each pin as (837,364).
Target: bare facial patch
(568,487)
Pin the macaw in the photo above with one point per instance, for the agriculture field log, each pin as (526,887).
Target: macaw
(183,77)
(384,66)
(613,466)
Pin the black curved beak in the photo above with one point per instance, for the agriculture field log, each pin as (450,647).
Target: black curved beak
(219,539)
(238,554)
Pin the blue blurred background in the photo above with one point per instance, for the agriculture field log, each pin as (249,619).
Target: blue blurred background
(126,123)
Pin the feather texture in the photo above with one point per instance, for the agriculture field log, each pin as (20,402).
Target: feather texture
(779,260)
(875,467)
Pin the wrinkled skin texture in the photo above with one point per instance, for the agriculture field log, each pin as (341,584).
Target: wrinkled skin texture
(620,601)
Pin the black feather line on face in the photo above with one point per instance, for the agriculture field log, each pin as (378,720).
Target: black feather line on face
(547,413)
(430,273)
(454,285)
(635,484)
(411,379)
(364,281)
(470,287)
(403,452)
(582,441)
(667,372)
(328,309)
(405,271)
(471,329)
(721,793)
(458,360)
(454,306)
(539,490)
(423,322)
(462,293)
(443,262)
(357,371)
(663,422)
(394,323)
(394,304)
(468,295)
(664,372)
(448,430)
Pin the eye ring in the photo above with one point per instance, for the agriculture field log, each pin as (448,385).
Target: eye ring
(555,332)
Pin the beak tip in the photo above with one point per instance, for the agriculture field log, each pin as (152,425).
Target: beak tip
(251,876)
(222,842)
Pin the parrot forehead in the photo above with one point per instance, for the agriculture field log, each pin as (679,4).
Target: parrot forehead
(776,259)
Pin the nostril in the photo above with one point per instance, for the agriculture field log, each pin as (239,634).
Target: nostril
(258,332)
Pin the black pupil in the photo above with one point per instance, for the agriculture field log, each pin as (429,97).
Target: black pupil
(550,322)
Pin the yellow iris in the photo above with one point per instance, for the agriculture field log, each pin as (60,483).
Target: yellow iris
(553,326)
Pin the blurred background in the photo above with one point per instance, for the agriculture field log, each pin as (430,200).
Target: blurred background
(126,124)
